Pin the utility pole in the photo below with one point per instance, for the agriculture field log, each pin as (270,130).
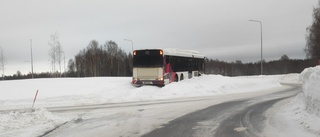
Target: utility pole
(64,64)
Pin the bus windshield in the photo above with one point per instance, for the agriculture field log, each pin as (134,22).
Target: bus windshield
(148,58)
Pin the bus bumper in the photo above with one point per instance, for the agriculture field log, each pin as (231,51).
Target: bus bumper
(148,82)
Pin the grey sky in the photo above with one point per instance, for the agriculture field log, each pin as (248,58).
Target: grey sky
(218,28)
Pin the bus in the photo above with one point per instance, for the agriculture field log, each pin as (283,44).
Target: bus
(163,66)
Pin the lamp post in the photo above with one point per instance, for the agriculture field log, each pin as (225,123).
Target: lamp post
(131,43)
(2,62)
(261,43)
(31,58)
(64,64)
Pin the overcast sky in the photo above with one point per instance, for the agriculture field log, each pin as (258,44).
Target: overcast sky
(218,28)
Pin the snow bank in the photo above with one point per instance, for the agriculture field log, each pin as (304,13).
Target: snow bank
(290,79)
(61,91)
(311,89)
(302,114)
(27,122)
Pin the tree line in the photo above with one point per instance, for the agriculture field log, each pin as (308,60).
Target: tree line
(84,66)
(282,66)
(100,60)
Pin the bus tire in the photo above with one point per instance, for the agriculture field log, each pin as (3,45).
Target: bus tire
(181,77)
(176,78)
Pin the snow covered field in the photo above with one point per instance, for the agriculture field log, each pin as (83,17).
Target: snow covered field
(18,119)
(86,91)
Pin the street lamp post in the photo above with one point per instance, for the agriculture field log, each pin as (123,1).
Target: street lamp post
(261,43)
(2,62)
(131,43)
(64,64)
(31,58)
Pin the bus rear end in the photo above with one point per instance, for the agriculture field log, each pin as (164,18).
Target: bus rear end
(148,67)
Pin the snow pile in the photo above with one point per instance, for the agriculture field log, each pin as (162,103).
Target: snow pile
(290,79)
(303,112)
(207,85)
(217,84)
(27,122)
(311,89)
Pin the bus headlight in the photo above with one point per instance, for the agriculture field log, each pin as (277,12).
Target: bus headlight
(160,79)
(136,79)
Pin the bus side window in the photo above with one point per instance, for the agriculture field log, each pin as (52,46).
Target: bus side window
(167,60)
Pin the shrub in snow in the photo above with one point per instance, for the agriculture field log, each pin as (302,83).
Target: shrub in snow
(310,78)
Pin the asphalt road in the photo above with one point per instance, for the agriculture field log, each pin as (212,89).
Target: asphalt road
(230,115)
(229,119)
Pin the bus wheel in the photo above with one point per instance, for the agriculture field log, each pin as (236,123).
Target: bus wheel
(176,79)
(181,77)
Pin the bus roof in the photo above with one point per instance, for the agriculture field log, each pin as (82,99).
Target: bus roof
(183,53)
(179,52)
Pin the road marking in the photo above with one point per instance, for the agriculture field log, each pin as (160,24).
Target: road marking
(239,129)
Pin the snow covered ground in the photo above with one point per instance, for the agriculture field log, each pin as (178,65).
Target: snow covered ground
(18,119)
(86,91)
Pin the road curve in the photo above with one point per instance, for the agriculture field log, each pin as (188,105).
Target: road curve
(223,115)
(229,119)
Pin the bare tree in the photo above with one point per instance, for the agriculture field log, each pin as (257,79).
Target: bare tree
(2,62)
(59,54)
(112,49)
(55,53)
(72,68)
(93,57)
(285,60)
